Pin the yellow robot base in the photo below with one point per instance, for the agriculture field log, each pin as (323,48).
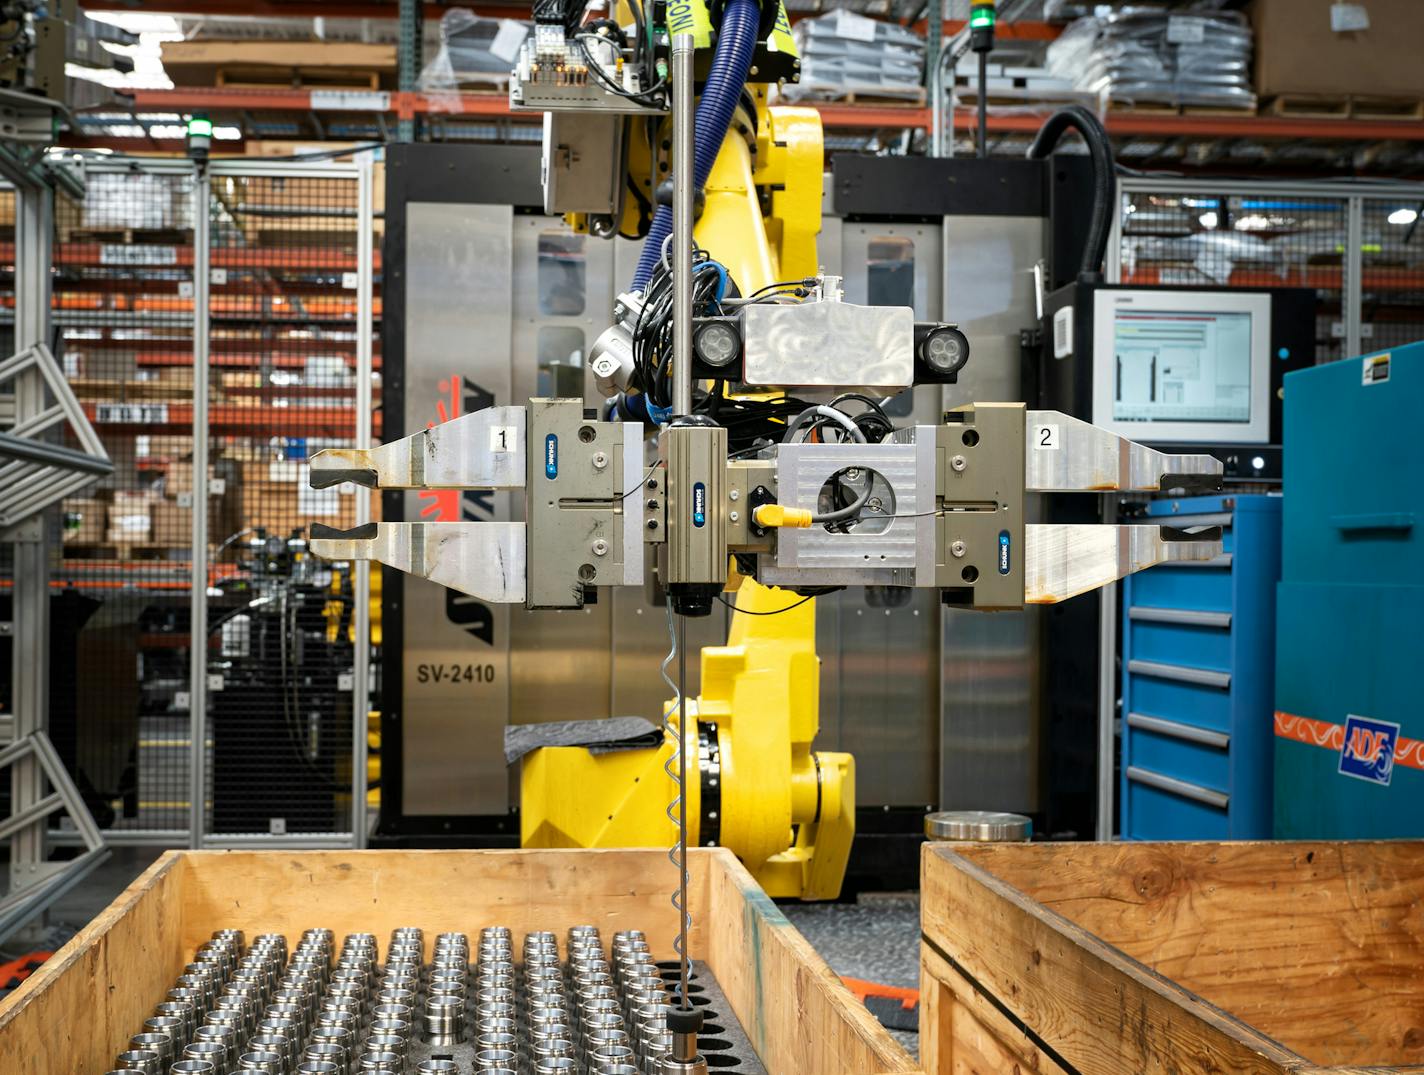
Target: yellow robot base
(754,785)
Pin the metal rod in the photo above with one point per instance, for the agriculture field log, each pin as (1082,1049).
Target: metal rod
(682,802)
(361,579)
(31,610)
(934,65)
(983,104)
(198,633)
(684,192)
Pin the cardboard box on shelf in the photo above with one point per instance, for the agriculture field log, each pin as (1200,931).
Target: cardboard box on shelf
(84,519)
(163,446)
(130,526)
(180,480)
(1298,50)
(281,506)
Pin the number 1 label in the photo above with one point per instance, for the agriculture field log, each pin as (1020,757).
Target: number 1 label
(502,439)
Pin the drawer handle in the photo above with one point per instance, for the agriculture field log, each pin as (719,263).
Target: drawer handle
(1402,521)
(1185,788)
(1188,733)
(1188,617)
(1202,677)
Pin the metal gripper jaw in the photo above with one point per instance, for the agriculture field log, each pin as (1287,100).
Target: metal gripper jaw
(1066,455)
(579,485)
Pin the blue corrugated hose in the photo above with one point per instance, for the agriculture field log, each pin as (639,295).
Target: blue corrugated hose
(730,62)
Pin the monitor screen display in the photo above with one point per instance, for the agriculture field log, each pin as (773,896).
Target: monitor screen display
(1181,367)
(1173,365)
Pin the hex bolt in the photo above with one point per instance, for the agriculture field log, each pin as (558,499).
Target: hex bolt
(734,494)
(733,516)
(958,463)
(600,547)
(959,548)
(600,460)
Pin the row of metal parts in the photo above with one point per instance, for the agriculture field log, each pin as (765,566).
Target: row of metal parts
(325,1012)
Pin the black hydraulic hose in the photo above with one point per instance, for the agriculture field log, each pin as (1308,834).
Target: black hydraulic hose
(1078,118)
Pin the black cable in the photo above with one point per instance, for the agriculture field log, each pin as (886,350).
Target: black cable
(1104,175)
(643,97)
(776,612)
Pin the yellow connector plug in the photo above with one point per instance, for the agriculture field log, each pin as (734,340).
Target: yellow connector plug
(778,515)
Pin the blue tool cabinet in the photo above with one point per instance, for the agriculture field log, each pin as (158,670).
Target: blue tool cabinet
(1349,736)
(1198,657)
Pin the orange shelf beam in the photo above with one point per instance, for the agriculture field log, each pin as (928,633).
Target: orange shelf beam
(833,114)
(1321,277)
(228,420)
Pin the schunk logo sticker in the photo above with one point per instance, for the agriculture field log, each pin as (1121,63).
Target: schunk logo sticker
(1368,750)
(1004,559)
(699,504)
(551,456)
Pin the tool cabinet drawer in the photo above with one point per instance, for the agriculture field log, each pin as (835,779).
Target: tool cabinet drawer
(1197,679)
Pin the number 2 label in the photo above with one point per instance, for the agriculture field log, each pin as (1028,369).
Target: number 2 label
(1046,438)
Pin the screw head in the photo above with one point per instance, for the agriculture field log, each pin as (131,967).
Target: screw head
(852,473)
(874,504)
(600,547)
(734,494)
(600,460)
(733,516)
(958,548)
(958,463)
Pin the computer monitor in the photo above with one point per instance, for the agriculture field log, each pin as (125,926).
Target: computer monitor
(1175,366)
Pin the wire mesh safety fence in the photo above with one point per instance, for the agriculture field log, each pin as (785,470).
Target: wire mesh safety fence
(122,317)
(1359,247)
(288,323)
(283,385)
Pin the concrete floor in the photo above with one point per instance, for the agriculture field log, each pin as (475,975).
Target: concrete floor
(876,939)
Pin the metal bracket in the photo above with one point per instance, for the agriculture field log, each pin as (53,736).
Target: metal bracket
(35,474)
(1064,454)
(482,450)
(31,894)
(484,560)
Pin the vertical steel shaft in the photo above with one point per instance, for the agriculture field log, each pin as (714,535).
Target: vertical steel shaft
(682,802)
(684,193)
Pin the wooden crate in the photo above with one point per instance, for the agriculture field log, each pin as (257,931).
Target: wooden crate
(78,1010)
(1054,959)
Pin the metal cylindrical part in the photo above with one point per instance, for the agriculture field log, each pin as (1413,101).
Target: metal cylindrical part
(327,1052)
(380,1061)
(146,1060)
(978,826)
(437,1067)
(444,1019)
(684,193)
(269,1063)
(497,1060)
(162,1044)
(193,1067)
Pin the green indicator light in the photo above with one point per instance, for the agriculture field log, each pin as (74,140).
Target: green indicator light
(200,127)
(981,18)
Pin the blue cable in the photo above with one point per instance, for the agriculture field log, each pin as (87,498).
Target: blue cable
(732,59)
